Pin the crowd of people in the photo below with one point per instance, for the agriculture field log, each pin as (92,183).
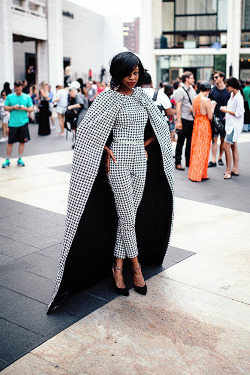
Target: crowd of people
(204,112)
(197,113)
(28,103)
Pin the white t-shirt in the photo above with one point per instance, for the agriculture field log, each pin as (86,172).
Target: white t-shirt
(162,99)
(63,98)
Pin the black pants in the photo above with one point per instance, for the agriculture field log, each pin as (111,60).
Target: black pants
(187,129)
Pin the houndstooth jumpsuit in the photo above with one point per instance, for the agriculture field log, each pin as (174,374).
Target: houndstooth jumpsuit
(127,177)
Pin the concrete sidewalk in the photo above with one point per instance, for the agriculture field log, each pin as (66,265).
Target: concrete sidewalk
(195,317)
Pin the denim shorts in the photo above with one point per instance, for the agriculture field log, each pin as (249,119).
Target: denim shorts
(171,125)
(229,138)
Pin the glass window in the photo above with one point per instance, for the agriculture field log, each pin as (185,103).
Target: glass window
(168,16)
(180,6)
(247,14)
(196,6)
(185,23)
(206,23)
(212,6)
(222,14)
(197,61)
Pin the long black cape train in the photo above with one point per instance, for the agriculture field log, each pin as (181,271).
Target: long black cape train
(91,220)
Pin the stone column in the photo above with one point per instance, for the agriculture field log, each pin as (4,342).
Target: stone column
(6,44)
(55,43)
(42,61)
(146,39)
(233,37)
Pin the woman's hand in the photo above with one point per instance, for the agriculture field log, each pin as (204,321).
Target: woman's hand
(223,109)
(109,155)
(146,154)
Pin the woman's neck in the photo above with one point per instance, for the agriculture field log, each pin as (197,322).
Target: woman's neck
(125,90)
(235,91)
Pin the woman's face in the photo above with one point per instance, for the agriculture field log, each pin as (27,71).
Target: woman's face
(229,89)
(130,81)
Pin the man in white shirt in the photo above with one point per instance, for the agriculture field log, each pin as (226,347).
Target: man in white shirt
(161,100)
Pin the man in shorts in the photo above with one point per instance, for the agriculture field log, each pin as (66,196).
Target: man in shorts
(221,96)
(18,104)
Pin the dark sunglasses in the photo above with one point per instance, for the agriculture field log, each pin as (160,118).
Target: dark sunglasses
(215,77)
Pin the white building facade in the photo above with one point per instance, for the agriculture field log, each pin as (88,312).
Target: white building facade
(52,34)
(196,35)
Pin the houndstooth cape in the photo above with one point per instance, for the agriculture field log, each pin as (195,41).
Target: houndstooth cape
(92,135)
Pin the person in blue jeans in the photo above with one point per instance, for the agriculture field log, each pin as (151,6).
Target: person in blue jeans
(18,104)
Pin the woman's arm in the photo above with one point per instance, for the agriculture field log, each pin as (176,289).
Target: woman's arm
(238,113)
(109,155)
(225,110)
(75,106)
(45,94)
(209,109)
(149,140)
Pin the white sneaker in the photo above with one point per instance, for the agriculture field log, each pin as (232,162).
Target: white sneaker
(3,139)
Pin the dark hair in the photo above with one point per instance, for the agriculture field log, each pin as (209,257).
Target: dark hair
(3,92)
(122,65)
(204,86)
(248,81)
(186,75)
(176,84)
(235,84)
(168,90)
(221,74)
(146,78)
(18,83)
(6,87)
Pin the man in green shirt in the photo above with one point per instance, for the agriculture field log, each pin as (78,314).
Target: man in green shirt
(246,92)
(18,104)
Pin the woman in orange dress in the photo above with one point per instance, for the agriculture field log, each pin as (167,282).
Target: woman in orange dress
(202,134)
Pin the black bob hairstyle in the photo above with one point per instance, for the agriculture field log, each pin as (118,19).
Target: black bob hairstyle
(204,86)
(122,65)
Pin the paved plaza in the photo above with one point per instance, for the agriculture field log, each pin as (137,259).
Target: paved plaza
(195,319)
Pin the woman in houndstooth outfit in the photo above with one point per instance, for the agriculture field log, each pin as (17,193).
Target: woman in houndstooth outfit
(127,211)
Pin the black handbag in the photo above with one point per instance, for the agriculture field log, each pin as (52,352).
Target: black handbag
(217,125)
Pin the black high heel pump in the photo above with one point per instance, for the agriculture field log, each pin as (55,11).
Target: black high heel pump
(140,289)
(120,291)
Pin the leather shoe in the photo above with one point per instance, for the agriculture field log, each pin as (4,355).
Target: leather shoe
(211,164)
(179,167)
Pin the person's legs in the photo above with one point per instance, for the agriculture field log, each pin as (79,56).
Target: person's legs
(6,164)
(21,149)
(221,147)
(214,149)
(138,184)
(179,147)
(172,134)
(52,120)
(9,149)
(117,273)
(227,148)
(188,134)
(235,158)
(126,244)
(5,127)
(61,123)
